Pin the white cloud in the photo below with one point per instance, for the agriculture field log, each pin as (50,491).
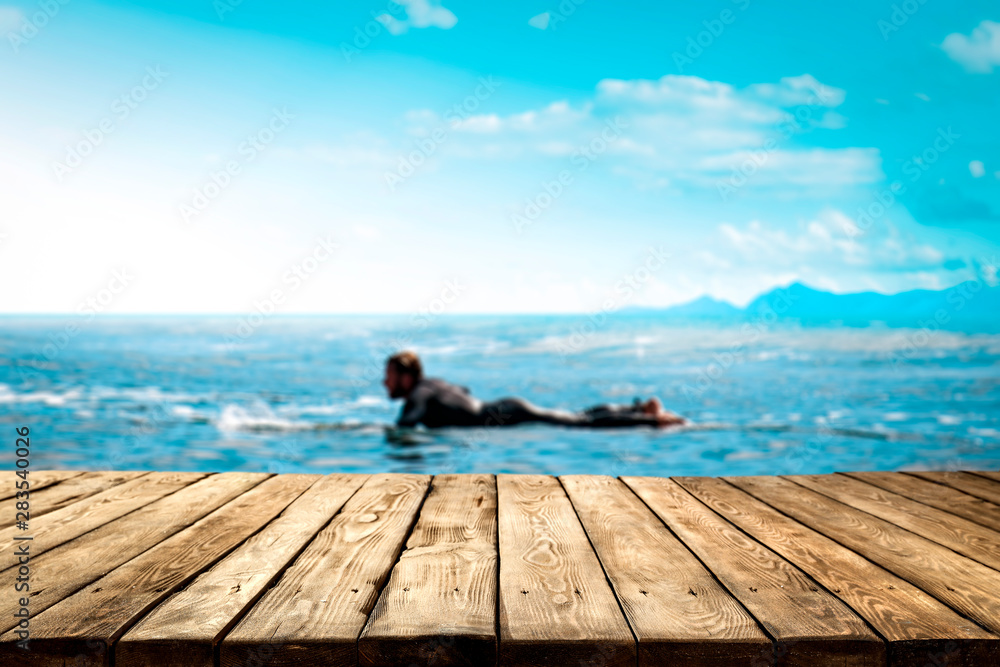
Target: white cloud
(419,14)
(541,21)
(11,18)
(684,130)
(827,241)
(800,90)
(977,169)
(554,116)
(676,93)
(979,52)
(817,166)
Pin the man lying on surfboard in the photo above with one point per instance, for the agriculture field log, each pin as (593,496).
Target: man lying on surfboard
(436,403)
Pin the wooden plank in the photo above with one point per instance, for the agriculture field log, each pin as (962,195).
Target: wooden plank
(810,626)
(556,606)
(71,566)
(975,485)
(988,474)
(185,630)
(961,535)
(963,584)
(439,606)
(914,624)
(936,495)
(679,613)
(84,626)
(316,611)
(71,490)
(63,525)
(37,480)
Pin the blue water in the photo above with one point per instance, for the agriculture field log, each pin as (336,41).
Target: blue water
(304,394)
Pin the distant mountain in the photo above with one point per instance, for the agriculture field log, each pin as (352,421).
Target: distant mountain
(706,308)
(969,306)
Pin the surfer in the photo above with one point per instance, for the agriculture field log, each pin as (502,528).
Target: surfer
(436,403)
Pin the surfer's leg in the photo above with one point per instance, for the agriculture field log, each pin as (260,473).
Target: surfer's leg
(511,411)
(640,413)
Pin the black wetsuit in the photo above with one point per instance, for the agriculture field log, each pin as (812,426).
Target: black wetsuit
(436,403)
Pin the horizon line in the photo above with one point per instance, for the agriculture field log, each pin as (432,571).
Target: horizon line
(630,307)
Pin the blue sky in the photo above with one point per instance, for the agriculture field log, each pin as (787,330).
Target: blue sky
(491,157)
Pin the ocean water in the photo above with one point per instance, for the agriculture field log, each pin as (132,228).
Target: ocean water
(304,394)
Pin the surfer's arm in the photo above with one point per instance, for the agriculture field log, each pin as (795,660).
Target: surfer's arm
(413,412)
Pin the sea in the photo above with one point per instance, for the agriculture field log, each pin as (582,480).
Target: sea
(304,394)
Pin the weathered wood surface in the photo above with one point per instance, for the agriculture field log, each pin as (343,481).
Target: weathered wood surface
(87,623)
(556,606)
(439,605)
(958,534)
(678,611)
(913,623)
(942,497)
(316,611)
(809,625)
(963,584)
(979,485)
(71,490)
(185,630)
(69,567)
(83,516)
(191,569)
(37,480)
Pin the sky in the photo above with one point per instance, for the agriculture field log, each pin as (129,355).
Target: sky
(455,156)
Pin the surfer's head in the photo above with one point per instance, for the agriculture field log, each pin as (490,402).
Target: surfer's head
(403,371)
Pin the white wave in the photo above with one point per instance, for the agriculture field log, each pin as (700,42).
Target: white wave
(188,413)
(366,401)
(299,410)
(151,394)
(49,398)
(258,417)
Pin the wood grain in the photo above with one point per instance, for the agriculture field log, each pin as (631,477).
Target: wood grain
(958,534)
(65,524)
(679,613)
(976,485)
(439,606)
(963,584)
(84,626)
(71,490)
(810,626)
(37,480)
(316,611)
(185,630)
(556,606)
(914,623)
(69,567)
(936,495)
(241,569)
